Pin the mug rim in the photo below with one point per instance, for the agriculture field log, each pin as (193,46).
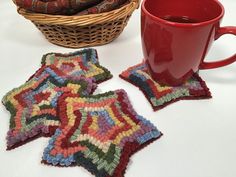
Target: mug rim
(156,18)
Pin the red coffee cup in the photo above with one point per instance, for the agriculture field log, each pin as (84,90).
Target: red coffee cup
(176,36)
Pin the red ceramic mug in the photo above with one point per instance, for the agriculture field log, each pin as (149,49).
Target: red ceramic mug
(176,36)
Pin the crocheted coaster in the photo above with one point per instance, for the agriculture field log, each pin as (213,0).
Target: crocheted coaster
(33,104)
(83,62)
(98,132)
(161,96)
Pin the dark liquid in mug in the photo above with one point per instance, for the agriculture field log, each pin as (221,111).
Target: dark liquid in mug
(179,19)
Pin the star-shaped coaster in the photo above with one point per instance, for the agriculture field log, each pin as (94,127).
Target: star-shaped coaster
(161,96)
(83,62)
(98,132)
(33,105)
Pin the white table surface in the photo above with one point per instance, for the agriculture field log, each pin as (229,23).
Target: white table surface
(199,136)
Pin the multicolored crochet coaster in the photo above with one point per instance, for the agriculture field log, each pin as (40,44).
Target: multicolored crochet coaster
(161,96)
(84,62)
(33,105)
(98,132)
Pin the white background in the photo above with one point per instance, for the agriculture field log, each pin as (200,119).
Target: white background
(199,136)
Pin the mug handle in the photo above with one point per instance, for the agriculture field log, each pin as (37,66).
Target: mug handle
(227,61)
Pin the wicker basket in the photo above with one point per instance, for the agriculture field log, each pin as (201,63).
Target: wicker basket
(85,30)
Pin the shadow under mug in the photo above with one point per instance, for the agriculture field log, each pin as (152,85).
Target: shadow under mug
(176,36)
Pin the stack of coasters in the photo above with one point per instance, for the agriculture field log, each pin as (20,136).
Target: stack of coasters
(70,7)
(59,7)
(161,96)
(33,105)
(98,132)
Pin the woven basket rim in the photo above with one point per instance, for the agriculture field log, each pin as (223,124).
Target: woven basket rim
(82,20)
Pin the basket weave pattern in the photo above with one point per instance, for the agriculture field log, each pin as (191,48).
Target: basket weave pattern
(85,30)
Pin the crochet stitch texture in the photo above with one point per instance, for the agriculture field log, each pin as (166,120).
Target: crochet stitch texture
(33,105)
(160,96)
(84,62)
(99,132)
